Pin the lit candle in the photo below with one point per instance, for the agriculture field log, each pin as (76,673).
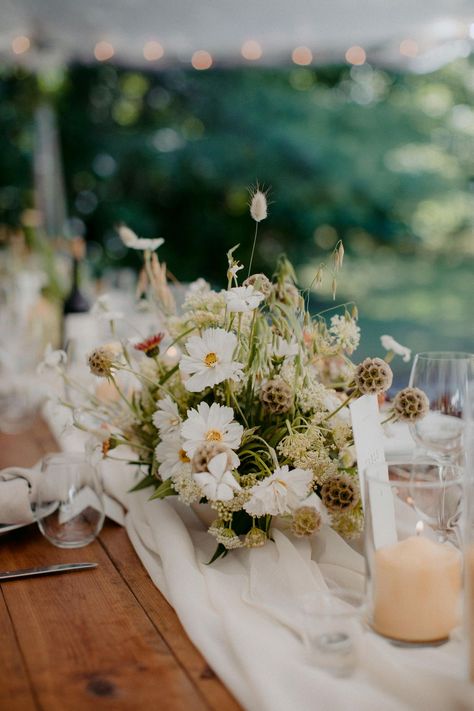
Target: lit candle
(417,589)
(470,607)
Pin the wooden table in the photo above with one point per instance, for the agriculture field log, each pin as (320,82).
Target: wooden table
(96,639)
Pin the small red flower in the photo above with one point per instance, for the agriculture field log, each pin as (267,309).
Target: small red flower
(150,346)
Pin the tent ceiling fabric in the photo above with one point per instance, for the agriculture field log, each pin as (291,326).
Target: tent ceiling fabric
(69,30)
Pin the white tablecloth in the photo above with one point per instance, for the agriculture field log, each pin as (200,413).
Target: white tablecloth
(244,616)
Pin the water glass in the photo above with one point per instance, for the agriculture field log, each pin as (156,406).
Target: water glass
(444,377)
(69,503)
(413,545)
(333,632)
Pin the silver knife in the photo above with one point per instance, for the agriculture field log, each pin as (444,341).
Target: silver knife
(27,572)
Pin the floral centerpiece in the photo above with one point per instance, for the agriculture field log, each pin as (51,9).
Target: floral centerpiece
(239,400)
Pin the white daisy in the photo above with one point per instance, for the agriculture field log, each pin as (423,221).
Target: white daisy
(166,418)
(284,348)
(211,424)
(390,344)
(209,360)
(242,298)
(172,457)
(218,484)
(131,240)
(280,492)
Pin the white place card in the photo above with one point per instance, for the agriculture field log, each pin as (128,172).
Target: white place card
(369,444)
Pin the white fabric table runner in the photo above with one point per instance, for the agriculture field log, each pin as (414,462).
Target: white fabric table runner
(242,613)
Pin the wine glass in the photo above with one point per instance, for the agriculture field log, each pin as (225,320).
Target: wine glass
(444,376)
(69,501)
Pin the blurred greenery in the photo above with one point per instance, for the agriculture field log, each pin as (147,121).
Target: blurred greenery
(383,160)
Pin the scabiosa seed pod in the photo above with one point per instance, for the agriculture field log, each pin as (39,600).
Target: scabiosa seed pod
(373,375)
(207,451)
(261,283)
(101,361)
(276,396)
(306,521)
(255,538)
(258,206)
(340,493)
(410,404)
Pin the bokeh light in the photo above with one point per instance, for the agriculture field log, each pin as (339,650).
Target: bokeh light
(152,51)
(251,50)
(201,60)
(302,56)
(103,51)
(409,48)
(356,55)
(20,44)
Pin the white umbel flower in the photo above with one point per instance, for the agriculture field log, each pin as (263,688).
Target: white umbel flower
(213,423)
(390,344)
(258,206)
(242,299)
(172,457)
(279,493)
(131,240)
(218,483)
(166,418)
(210,360)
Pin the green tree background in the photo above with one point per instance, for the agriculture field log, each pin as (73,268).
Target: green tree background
(382,160)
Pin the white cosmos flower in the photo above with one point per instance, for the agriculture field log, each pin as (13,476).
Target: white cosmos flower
(390,344)
(172,457)
(211,424)
(131,240)
(52,360)
(103,310)
(242,298)
(166,418)
(280,492)
(217,484)
(284,348)
(209,360)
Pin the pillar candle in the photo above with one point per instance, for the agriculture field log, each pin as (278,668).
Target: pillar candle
(417,590)
(470,607)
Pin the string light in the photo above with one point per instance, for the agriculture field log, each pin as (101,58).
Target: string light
(103,51)
(20,44)
(201,60)
(251,50)
(302,56)
(356,55)
(408,48)
(153,51)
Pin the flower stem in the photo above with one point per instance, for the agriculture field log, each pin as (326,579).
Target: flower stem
(253,248)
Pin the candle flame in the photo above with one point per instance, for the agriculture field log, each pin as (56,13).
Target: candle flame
(419,528)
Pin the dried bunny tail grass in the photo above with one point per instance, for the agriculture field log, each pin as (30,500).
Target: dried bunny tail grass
(258,203)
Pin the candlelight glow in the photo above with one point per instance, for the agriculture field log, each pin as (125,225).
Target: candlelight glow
(419,528)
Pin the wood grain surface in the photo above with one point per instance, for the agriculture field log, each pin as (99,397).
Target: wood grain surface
(104,638)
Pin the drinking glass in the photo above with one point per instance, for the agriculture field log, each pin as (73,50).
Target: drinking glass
(69,502)
(444,377)
(413,546)
(333,632)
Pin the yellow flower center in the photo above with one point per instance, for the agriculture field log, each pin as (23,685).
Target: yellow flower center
(214,436)
(183,457)
(210,360)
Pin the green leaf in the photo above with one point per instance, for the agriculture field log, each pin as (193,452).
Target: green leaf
(220,552)
(144,483)
(165,489)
